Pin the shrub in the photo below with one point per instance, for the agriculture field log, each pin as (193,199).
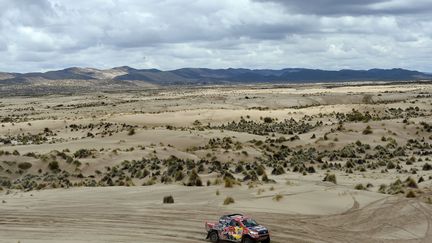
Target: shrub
(217,181)
(311,169)
(411,194)
(382,188)
(330,178)
(228,200)
(178,176)
(131,132)
(420,180)
(359,187)
(427,167)
(391,165)
(277,197)
(268,119)
(149,182)
(260,191)
(410,182)
(82,153)
(229,182)
(196,123)
(396,187)
(265,178)
(24,165)
(278,171)
(31,154)
(260,170)
(168,199)
(368,130)
(194,179)
(77,163)
(54,165)
(239,168)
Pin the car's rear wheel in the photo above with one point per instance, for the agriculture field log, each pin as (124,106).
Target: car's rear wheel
(214,237)
(266,240)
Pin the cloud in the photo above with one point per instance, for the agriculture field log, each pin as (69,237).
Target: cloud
(40,35)
(355,7)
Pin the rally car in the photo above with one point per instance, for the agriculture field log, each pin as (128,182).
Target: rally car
(237,228)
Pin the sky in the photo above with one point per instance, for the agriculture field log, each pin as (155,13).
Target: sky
(41,35)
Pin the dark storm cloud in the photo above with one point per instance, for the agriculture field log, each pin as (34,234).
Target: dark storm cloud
(51,34)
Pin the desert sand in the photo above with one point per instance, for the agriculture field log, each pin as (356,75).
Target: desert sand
(95,167)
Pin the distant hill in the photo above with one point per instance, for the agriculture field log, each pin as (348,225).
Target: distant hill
(127,76)
(289,75)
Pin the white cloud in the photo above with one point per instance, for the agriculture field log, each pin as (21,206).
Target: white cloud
(50,34)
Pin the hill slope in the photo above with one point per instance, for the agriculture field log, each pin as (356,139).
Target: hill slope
(77,79)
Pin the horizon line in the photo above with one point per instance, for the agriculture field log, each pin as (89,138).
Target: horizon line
(226,68)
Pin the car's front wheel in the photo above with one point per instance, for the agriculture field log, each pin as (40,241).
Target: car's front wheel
(247,240)
(214,237)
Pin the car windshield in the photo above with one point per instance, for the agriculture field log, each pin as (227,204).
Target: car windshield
(249,223)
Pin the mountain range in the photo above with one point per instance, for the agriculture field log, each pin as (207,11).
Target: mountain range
(121,76)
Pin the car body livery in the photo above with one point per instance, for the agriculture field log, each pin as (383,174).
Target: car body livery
(237,228)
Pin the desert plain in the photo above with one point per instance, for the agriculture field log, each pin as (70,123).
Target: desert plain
(313,163)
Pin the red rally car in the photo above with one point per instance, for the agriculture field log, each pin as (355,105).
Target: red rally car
(237,228)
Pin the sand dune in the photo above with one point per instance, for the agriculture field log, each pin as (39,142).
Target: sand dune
(312,163)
